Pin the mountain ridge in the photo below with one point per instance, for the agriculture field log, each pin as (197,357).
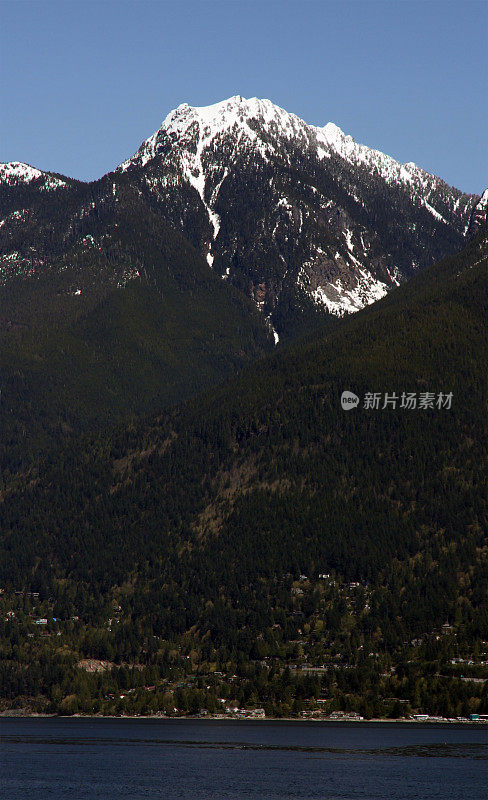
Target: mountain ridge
(256,132)
(332,225)
(329,134)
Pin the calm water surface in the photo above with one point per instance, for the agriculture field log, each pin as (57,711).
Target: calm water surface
(83,759)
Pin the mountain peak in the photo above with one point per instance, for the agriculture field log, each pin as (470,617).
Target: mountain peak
(15,172)
(295,216)
(208,149)
(267,127)
(235,113)
(18,171)
(234,109)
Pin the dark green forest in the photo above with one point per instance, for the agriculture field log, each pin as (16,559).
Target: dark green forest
(152,327)
(257,546)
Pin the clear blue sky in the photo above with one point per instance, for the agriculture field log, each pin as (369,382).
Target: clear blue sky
(83,83)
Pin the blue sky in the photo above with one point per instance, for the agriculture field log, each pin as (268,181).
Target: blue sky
(83,83)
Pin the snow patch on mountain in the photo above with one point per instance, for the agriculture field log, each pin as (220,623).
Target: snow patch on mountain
(388,168)
(482,204)
(434,212)
(14,172)
(479,215)
(339,299)
(483,201)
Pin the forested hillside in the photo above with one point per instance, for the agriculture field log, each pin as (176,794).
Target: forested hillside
(151,326)
(261,528)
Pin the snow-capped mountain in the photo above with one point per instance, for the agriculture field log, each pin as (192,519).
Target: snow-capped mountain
(15,173)
(278,205)
(301,219)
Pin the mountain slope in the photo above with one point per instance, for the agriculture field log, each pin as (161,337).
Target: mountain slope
(104,332)
(302,220)
(264,546)
(267,475)
(280,207)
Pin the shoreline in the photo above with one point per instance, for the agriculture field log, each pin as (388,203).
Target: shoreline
(217,718)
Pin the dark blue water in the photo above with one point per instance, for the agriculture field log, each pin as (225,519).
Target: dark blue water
(83,759)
